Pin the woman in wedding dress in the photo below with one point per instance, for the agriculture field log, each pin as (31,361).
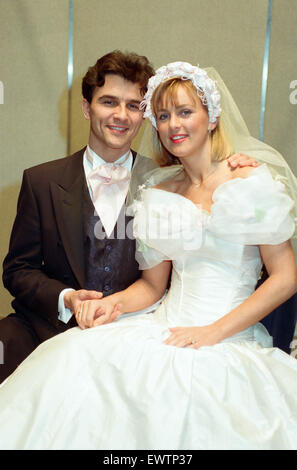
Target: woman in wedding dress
(200,372)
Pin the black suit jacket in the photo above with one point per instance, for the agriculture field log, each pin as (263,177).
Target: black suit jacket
(46,252)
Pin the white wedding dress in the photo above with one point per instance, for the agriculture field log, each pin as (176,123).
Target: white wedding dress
(118,386)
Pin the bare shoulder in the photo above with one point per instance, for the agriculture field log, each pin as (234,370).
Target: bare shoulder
(170,184)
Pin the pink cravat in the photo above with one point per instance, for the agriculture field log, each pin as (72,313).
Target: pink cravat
(109,183)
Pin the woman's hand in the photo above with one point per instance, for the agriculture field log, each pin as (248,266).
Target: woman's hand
(96,312)
(193,336)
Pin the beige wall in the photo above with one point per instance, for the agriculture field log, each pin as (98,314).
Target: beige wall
(281,114)
(228,34)
(33,70)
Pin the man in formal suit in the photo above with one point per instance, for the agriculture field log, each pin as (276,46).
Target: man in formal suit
(67,242)
(54,259)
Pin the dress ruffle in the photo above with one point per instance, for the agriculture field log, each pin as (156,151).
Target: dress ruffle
(119,386)
(253,210)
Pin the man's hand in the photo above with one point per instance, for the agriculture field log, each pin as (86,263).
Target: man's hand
(239,160)
(96,312)
(74,298)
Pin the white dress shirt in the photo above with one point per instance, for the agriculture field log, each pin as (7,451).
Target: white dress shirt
(126,160)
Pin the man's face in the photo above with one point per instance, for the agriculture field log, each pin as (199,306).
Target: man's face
(114,116)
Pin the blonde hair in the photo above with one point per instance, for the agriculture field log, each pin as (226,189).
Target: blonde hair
(221,147)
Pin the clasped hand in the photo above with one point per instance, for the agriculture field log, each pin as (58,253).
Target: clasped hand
(92,313)
(89,308)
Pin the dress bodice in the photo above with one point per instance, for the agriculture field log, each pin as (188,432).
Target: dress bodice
(215,256)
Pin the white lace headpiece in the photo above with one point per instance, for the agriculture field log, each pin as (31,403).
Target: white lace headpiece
(206,87)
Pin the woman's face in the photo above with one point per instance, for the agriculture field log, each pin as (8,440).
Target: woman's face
(183,124)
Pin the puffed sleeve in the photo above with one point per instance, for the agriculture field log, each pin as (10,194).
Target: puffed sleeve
(253,210)
(165,225)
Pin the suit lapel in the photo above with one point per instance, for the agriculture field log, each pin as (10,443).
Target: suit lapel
(67,199)
(67,194)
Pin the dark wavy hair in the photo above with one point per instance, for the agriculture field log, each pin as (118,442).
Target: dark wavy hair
(129,65)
